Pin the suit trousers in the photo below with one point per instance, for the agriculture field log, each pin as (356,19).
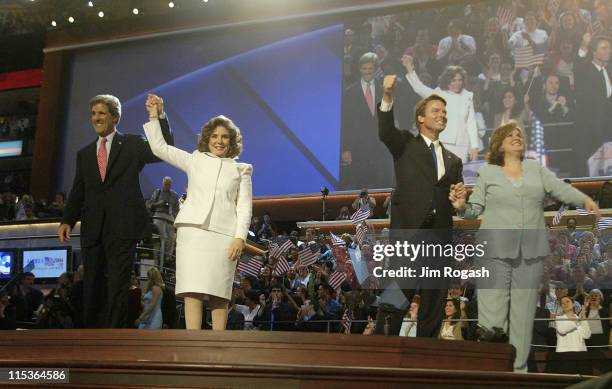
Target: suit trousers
(510,300)
(431,307)
(108,264)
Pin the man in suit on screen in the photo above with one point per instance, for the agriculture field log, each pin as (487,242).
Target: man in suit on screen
(424,172)
(593,98)
(107,198)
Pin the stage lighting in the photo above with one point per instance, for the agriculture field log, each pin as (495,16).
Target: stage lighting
(71,19)
(171,4)
(90,3)
(135,11)
(53,23)
(101,14)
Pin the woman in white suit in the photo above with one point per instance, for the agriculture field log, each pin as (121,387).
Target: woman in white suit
(213,223)
(461,133)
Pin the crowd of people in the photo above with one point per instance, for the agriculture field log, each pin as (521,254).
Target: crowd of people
(473,55)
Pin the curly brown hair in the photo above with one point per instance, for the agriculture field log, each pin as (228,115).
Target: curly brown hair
(449,73)
(495,155)
(235,146)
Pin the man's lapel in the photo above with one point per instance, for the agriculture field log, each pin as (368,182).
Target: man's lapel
(114,152)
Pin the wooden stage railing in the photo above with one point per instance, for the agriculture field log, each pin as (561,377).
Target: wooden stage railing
(253,359)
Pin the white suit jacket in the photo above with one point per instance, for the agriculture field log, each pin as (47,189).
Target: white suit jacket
(461,127)
(219,189)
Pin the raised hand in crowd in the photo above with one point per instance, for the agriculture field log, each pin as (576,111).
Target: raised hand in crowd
(408,63)
(389,83)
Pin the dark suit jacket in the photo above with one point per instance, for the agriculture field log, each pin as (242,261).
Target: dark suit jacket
(235,320)
(118,200)
(284,317)
(415,175)
(371,165)
(593,108)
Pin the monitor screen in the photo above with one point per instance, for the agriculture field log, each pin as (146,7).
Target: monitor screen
(7,263)
(11,148)
(46,263)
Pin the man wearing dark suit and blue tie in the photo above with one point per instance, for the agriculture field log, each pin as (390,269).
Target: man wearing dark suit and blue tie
(424,172)
(107,198)
(593,98)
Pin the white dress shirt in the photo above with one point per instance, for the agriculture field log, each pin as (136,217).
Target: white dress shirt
(109,142)
(439,156)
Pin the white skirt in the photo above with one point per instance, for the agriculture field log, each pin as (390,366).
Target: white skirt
(202,264)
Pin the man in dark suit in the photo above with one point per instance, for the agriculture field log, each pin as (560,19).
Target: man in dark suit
(425,172)
(593,98)
(106,197)
(359,142)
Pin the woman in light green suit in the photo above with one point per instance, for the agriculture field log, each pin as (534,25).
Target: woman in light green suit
(509,194)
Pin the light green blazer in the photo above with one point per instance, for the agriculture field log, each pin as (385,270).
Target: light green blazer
(513,217)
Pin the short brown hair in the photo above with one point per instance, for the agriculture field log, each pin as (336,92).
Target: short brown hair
(421,105)
(235,146)
(494,155)
(112,103)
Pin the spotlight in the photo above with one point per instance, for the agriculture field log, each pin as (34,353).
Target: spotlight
(90,3)
(71,19)
(206,1)
(101,14)
(171,4)
(135,11)
(53,23)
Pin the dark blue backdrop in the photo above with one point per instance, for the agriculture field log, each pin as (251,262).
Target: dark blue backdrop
(281,85)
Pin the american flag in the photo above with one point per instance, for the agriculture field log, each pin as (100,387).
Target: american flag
(337,241)
(277,251)
(360,234)
(346,321)
(308,255)
(336,279)
(250,265)
(604,223)
(525,57)
(505,16)
(584,212)
(557,219)
(361,214)
(281,267)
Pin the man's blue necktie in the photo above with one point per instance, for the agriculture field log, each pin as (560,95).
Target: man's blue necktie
(434,157)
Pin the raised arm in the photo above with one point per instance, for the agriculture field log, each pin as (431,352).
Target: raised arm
(158,142)
(414,80)
(387,132)
(155,108)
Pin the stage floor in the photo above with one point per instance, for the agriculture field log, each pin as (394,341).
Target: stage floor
(253,359)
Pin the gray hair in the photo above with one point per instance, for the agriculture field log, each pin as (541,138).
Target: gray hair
(368,58)
(112,103)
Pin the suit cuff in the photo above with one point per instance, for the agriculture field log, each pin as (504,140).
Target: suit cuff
(386,107)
